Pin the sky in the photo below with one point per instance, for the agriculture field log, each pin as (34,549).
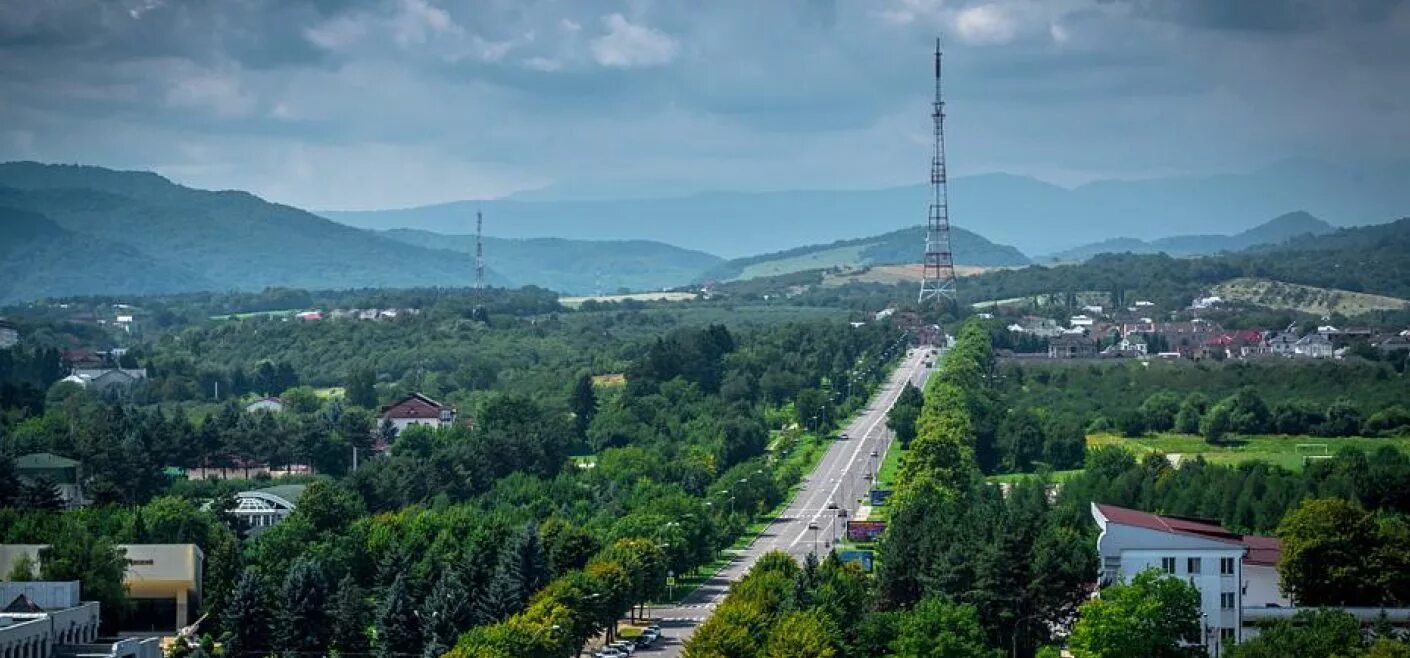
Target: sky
(361,104)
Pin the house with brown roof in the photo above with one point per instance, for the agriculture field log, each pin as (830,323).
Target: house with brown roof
(418,409)
(1072,346)
(1236,574)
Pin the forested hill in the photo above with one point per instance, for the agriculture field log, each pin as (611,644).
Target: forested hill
(77,230)
(576,266)
(1372,259)
(1272,232)
(897,247)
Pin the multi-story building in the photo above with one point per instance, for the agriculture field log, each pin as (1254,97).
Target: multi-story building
(1233,572)
(163,582)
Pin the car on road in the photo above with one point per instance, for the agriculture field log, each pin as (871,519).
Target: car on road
(832,504)
(843,436)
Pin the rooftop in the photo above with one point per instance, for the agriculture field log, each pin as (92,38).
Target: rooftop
(44,460)
(1265,551)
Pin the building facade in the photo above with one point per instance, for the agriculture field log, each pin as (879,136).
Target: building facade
(1234,573)
(418,409)
(163,582)
(262,508)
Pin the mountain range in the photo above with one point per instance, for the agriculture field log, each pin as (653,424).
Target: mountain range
(576,266)
(1034,216)
(1272,232)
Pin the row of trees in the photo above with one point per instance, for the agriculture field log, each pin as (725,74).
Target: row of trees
(1246,413)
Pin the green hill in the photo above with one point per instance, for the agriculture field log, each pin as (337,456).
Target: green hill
(894,248)
(576,266)
(1275,231)
(132,232)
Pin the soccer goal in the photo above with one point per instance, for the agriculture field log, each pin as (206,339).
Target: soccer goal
(1313,451)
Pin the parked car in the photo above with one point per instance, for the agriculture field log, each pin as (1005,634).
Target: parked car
(627,647)
(607,652)
(647,638)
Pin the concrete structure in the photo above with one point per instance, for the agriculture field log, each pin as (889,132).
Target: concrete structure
(163,582)
(9,335)
(106,379)
(1282,344)
(417,409)
(65,474)
(262,508)
(47,620)
(271,404)
(1234,573)
(1072,346)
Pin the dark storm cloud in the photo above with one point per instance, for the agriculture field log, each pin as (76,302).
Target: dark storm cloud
(1266,15)
(308,100)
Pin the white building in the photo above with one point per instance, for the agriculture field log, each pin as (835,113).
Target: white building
(262,508)
(418,409)
(1235,574)
(47,619)
(9,335)
(1080,321)
(1316,346)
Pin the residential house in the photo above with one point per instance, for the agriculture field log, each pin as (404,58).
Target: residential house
(1187,338)
(309,315)
(1281,343)
(1236,344)
(1393,343)
(1072,346)
(1316,346)
(418,409)
(1080,321)
(270,405)
(9,335)
(65,474)
(1133,343)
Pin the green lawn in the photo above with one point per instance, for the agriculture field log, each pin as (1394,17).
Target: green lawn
(251,314)
(1281,450)
(1055,476)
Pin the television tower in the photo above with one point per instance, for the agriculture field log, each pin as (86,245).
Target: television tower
(479,251)
(938,271)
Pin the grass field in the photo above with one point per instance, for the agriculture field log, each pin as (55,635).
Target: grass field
(1055,476)
(1281,450)
(1307,299)
(273,314)
(663,296)
(888,274)
(817,260)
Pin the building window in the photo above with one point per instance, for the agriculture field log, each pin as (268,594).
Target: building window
(1226,636)
(1192,565)
(1168,564)
(1226,566)
(1226,600)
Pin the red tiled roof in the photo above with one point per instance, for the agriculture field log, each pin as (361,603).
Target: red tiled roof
(415,405)
(1261,550)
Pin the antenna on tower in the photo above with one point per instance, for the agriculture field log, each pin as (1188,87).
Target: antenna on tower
(938,272)
(479,251)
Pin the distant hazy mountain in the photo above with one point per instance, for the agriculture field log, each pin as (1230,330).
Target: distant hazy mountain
(75,230)
(1274,231)
(1031,215)
(897,247)
(577,266)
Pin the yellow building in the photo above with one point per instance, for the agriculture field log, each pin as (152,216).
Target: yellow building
(163,582)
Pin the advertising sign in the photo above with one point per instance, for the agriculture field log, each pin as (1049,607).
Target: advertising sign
(879,496)
(862,558)
(865,530)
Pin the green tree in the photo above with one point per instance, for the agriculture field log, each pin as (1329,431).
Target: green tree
(937,628)
(361,389)
(1308,634)
(584,405)
(95,561)
(1192,410)
(329,506)
(1325,544)
(351,617)
(23,570)
(301,622)
(1159,411)
(244,618)
(1217,422)
(397,629)
(805,634)
(1152,616)
(444,615)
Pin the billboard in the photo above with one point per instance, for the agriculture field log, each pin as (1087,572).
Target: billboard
(862,558)
(865,530)
(879,496)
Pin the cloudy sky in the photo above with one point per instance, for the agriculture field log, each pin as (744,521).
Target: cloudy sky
(341,104)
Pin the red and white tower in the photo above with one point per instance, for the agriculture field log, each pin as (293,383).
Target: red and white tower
(938,275)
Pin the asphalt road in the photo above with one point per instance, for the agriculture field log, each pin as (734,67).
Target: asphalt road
(839,478)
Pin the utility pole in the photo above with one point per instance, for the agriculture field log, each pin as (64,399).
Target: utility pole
(479,251)
(938,270)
